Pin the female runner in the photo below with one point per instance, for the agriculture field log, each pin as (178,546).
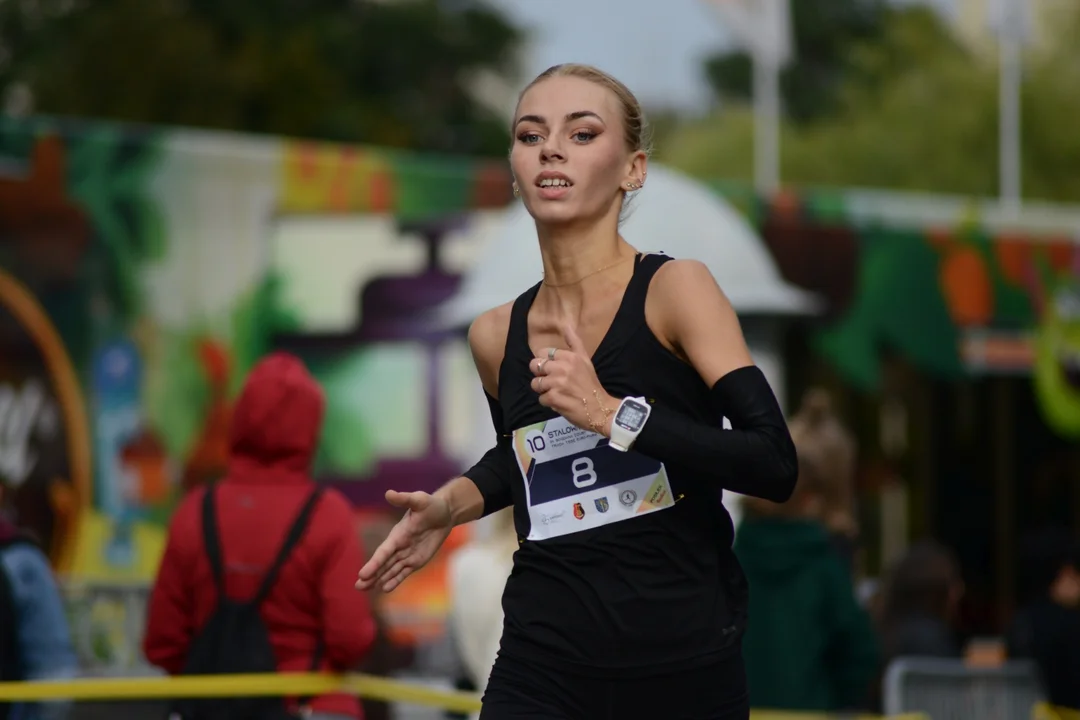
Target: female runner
(608,383)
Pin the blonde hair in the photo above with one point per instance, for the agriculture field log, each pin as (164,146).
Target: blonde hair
(810,485)
(826,444)
(636,132)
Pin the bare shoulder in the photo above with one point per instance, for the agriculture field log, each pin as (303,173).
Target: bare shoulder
(695,319)
(680,281)
(487,341)
(679,289)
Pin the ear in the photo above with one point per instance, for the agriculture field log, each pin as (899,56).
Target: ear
(636,169)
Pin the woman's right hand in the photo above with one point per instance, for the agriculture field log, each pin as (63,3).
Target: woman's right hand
(411,543)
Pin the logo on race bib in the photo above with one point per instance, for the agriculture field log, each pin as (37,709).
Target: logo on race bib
(628,498)
(579,512)
(601,504)
(546,519)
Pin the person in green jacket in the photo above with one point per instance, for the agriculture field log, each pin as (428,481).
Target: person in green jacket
(809,645)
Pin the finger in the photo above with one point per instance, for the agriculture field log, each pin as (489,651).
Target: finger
(378,559)
(572,340)
(393,582)
(395,498)
(393,571)
(382,558)
(410,501)
(389,569)
(541,385)
(548,353)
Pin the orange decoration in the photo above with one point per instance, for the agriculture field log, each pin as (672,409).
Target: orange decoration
(966,286)
(1013,257)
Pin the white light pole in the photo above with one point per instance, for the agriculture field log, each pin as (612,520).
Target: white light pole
(762,28)
(767,104)
(1010,17)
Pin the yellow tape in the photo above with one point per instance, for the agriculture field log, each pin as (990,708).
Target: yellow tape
(210,686)
(1045,711)
(288,685)
(379,688)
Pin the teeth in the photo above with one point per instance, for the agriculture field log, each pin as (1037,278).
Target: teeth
(554,182)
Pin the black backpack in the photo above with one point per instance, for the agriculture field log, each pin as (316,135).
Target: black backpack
(235,639)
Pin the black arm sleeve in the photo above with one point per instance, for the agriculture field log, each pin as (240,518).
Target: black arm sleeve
(494,473)
(756,457)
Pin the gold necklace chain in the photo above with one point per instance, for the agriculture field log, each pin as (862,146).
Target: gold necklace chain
(589,275)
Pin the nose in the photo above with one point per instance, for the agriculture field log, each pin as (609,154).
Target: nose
(552,149)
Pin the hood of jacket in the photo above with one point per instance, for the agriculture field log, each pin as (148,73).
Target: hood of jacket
(277,419)
(777,547)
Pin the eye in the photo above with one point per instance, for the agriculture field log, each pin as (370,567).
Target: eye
(529,138)
(583,136)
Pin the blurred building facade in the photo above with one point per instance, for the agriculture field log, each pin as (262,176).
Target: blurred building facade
(142,274)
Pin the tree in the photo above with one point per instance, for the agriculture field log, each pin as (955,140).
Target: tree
(931,124)
(388,73)
(824,33)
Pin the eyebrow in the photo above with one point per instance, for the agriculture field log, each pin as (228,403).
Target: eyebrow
(570,117)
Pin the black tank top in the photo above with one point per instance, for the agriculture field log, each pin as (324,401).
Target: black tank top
(625,565)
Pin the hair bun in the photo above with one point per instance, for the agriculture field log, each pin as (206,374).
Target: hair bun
(817,406)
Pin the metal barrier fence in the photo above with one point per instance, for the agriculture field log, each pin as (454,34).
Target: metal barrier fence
(950,690)
(107,621)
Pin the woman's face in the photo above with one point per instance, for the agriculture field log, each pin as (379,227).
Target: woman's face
(569,156)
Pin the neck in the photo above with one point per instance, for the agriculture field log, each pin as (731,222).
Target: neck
(571,254)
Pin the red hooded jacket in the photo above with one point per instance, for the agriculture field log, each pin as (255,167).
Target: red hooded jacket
(275,429)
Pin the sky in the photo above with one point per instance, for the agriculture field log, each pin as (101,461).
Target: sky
(656,47)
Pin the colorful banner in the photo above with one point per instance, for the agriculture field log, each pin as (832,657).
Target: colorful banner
(948,283)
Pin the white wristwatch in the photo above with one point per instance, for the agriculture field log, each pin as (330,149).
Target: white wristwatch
(629,420)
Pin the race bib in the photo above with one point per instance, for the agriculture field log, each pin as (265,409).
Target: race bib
(574,481)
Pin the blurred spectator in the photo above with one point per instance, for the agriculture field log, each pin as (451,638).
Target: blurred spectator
(919,602)
(385,659)
(809,645)
(823,439)
(477,577)
(1047,627)
(315,618)
(35,641)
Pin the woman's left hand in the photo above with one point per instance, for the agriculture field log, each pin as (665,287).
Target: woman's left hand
(566,382)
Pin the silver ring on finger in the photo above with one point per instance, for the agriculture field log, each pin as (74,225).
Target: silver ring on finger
(540,366)
(551,354)
(539,383)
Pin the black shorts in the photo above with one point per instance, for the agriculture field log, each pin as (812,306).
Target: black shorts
(519,690)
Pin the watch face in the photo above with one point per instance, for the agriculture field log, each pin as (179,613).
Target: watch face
(631,416)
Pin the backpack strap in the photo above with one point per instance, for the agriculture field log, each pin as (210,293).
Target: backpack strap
(212,541)
(291,539)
